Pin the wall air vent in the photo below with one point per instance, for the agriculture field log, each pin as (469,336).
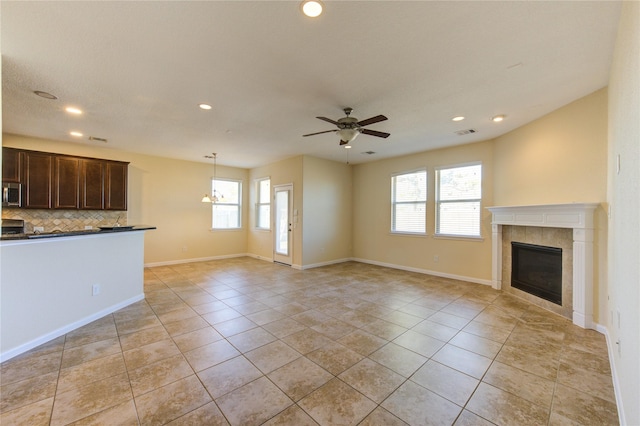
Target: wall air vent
(465,132)
(97,139)
(369,152)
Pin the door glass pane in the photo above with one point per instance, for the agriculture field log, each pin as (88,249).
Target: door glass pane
(282,222)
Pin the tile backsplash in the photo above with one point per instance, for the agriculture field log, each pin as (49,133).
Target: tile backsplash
(65,220)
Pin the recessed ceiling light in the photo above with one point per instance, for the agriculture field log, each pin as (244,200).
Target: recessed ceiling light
(76,134)
(498,118)
(458,118)
(45,95)
(73,110)
(312,8)
(204,106)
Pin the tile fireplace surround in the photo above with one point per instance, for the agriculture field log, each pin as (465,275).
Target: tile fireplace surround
(576,216)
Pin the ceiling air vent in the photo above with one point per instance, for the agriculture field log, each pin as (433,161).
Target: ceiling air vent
(465,132)
(97,139)
(369,152)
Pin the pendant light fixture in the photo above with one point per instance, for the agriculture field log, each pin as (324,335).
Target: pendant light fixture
(214,196)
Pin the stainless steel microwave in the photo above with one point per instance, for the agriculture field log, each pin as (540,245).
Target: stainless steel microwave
(11,194)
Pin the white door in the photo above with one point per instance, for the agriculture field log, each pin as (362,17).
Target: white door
(283,226)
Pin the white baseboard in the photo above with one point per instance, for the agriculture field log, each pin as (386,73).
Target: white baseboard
(255,256)
(195,259)
(67,328)
(425,271)
(614,374)
(320,264)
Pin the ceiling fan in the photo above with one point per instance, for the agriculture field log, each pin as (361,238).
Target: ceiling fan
(350,127)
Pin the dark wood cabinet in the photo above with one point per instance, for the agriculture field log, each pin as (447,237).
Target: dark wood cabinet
(38,176)
(66,182)
(116,186)
(66,175)
(92,185)
(11,165)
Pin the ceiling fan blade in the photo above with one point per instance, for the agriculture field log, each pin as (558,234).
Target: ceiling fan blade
(375,133)
(371,120)
(319,133)
(328,120)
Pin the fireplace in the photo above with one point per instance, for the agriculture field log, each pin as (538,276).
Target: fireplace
(537,270)
(578,220)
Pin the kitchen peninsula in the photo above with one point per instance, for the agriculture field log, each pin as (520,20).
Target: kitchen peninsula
(54,283)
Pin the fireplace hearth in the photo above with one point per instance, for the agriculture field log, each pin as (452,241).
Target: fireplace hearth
(537,270)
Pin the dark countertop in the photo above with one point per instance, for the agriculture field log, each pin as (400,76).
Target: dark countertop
(94,231)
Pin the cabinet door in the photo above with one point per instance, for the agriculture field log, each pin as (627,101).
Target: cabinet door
(92,184)
(116,186)
(11,170)
(38,173)
(66,182)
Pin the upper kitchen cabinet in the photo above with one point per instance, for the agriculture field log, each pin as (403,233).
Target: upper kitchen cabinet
(11,165)
(38,178)
(116,185)
(92,177)
(65,181)
(66,173)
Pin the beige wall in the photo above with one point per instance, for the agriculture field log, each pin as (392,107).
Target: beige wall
(327,211)
(561,158)
(373,240)
(165,193)
(322,197)
(623,311)
(289,171)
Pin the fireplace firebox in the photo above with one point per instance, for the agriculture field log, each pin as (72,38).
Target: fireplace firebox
(537,270)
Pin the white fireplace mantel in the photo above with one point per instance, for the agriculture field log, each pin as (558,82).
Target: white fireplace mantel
(576,216)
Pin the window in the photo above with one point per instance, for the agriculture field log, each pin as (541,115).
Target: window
(409,202)
(263,206)
(226,211)
(458,197)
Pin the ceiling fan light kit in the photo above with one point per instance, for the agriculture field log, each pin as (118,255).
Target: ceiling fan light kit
(349,127)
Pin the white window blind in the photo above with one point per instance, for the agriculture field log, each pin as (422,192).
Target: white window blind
(263,206)
(409,202)
(227,210)
(458,199)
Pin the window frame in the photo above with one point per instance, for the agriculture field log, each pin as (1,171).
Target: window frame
(395,203)
(259,204)
(439,202)
(238,205)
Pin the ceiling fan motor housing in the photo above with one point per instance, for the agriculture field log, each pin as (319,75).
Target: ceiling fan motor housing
(348,123)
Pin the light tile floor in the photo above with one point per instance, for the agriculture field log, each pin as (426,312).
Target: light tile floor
(246,342)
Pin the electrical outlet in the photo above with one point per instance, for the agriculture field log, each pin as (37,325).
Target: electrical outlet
(95,289)
(38,229)
(436,258)
(184,249)
(87,227)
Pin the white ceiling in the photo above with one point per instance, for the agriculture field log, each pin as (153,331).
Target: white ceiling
(140,69)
